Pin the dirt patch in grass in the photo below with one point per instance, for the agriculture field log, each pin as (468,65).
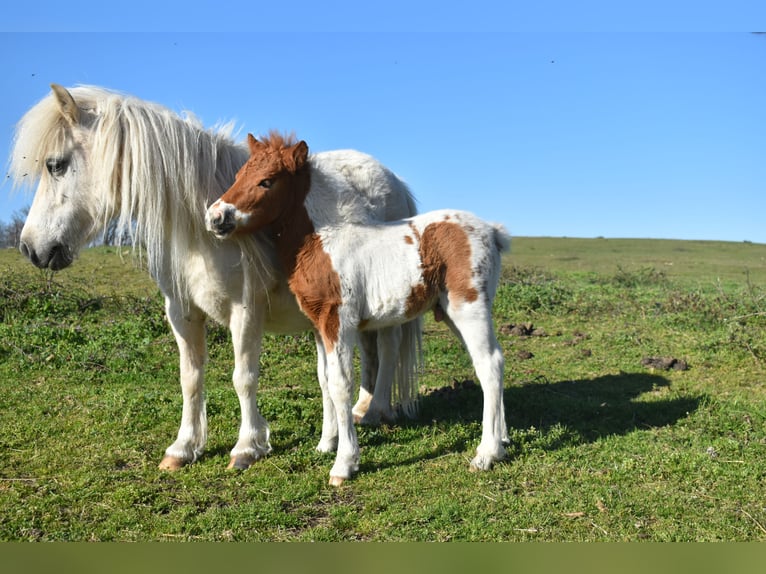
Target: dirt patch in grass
(665,363)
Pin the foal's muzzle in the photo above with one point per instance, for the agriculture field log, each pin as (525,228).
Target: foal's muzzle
(220,220)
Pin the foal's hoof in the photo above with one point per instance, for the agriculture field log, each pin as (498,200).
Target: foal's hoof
(241,462)
(172,463)
(329,445)
(336,481)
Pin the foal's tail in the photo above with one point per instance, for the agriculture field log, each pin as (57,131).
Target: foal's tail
(502,237)
(405,392)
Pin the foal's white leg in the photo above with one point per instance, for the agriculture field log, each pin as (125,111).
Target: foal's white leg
(474,322)
(189,329)
(368,350)
(246,324)
(329,440)
(380,409)
(341,386)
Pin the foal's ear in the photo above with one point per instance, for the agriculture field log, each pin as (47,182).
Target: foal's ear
(66,104)
(254,144)
(300,153)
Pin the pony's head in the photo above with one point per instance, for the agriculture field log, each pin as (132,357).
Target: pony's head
(52,145)
(100,158)
(274,180)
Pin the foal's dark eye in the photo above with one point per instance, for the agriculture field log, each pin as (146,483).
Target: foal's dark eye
(56,165)
(266,183)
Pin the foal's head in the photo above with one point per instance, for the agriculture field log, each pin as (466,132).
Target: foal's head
(274,181)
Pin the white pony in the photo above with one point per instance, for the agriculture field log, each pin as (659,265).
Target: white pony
(354,277)
(101,155)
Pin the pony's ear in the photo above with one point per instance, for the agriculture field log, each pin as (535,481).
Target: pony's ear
(300,153)
(66,104)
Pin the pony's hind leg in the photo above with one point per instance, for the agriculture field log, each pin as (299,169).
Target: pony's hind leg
(368,351)
(246,324)
(474,323)
(189,331)
(380,409)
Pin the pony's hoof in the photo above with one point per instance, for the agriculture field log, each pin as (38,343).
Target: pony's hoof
(241,462)
(336,481)
(479,464)
(377,418)
(482,462)
(172,463)
(369,420)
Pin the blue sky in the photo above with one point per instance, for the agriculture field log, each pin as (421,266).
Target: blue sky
(617,124)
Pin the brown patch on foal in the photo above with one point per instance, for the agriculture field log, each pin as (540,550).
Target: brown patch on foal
(445,255)
(316,284)
(310,274)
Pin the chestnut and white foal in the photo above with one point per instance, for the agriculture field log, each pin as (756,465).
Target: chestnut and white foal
(350,278)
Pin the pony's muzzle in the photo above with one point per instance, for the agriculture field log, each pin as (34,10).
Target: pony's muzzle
(220,220)
(57,257)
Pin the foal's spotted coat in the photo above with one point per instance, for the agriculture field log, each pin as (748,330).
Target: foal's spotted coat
(352,278)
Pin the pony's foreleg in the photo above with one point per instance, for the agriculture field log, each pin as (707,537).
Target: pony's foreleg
(368,351)
(189,329)
(380,409)
(329,440)
(246,324)
(341,386)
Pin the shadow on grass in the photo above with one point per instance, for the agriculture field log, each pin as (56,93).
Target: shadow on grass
(540,415)
(559,414)
(596,408)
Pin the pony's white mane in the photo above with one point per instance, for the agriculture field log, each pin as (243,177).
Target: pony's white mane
(153,170)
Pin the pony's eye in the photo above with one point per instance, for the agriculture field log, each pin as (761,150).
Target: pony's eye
(266,183)
(56,165)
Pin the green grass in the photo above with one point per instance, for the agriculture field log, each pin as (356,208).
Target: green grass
(602,447)
(689,262)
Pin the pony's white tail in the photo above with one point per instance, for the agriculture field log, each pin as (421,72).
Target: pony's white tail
(200,441)
(405,391)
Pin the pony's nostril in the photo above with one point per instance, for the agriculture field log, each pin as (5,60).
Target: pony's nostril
(57,258)
(30,254)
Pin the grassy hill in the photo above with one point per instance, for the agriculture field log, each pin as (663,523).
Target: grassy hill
(635,394)
(692,262)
